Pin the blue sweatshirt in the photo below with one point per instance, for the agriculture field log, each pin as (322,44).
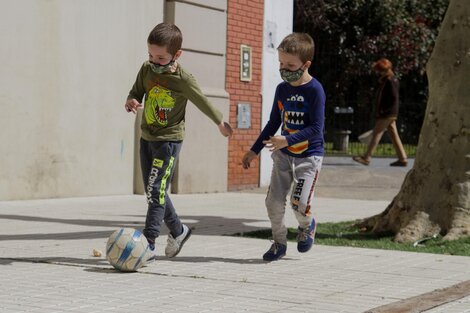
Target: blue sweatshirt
(301,112)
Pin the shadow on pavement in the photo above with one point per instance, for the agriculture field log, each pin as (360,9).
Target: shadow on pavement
(83,222)
(203,259)
(59,236)
(56,260)
(202,225)
(95,264)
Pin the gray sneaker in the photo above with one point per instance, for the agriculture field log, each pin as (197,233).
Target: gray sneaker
(174,245)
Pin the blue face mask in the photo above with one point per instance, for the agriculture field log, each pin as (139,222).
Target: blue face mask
(160,69)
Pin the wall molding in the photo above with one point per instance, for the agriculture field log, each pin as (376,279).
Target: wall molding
(198,5)
(218,54)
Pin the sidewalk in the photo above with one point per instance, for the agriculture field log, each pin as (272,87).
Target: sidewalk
(46,262)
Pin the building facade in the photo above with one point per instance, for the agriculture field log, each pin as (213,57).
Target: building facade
(69,65)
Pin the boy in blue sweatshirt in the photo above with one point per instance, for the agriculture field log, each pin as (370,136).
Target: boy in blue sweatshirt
(299,107)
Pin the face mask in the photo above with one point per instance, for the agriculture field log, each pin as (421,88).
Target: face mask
(291,76)
(160,69)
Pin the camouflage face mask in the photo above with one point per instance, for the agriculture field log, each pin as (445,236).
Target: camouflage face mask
(160,69)
(291,76)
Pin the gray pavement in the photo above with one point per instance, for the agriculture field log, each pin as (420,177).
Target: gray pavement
(46,262)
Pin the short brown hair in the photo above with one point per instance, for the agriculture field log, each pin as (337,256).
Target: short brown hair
(166,35)
(300,45)
(382,65)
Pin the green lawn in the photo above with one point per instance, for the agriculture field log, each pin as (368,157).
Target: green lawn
(345,234)
(357,148)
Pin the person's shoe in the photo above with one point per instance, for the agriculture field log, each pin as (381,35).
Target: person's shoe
(152,252)
(399,163)
(276,252)
(361,159)
(174,245)
(305,237)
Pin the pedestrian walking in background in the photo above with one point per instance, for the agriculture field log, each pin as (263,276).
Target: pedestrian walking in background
(386,114)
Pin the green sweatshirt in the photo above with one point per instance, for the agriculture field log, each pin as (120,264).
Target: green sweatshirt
(165,102)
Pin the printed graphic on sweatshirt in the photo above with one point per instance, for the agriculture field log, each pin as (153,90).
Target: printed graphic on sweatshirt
(157,106)
(293,113)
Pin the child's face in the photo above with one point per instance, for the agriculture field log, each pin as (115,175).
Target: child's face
(289,62)
(159,55)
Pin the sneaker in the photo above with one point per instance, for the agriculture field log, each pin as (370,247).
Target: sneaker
(305,237)
(277,251)
(152,252)
(174,245)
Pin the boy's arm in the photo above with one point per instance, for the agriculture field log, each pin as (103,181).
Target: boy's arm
(225,129)
(132,105)
(270,129)
(136,93)
(195,95)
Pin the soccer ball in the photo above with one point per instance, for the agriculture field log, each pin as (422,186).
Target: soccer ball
(127,250)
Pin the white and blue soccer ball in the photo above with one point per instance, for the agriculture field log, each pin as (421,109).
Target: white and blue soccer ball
(127,250)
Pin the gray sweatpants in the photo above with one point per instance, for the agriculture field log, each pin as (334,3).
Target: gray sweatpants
(300,174)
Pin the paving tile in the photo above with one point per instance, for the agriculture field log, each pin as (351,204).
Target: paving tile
(46,262)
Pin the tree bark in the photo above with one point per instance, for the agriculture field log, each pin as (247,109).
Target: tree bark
(435,195)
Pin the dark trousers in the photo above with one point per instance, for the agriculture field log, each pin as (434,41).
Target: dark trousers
(158,160)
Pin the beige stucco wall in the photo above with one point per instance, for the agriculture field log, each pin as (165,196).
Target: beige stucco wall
(67,67)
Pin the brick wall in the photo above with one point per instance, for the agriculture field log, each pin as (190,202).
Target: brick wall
(244,26)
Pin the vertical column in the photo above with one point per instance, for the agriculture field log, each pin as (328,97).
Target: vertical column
(202,166)
(244,37)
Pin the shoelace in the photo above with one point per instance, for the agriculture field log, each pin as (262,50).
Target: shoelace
(171,240)
(274,246)
(302,234)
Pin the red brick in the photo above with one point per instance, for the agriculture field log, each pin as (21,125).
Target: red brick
(244,26)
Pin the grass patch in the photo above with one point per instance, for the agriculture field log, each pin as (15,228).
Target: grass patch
(345,234)
(357,148)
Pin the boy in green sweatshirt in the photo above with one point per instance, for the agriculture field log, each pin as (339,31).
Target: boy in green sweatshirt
(167,88)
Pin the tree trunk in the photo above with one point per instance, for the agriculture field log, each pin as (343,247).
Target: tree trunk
(435,195)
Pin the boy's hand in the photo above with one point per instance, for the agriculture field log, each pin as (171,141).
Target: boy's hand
(276,143)
(247,158)
(225,129)
(132,105)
